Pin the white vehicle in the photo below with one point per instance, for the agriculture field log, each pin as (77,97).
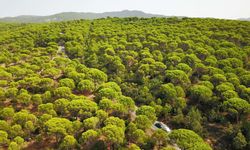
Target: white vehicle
(161,125)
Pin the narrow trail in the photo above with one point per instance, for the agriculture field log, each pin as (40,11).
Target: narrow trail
(61,49)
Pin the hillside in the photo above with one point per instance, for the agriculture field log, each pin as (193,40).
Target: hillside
(125,83)
(66,16)
(244,19)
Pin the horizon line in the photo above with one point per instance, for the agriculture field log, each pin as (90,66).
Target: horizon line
(163,15)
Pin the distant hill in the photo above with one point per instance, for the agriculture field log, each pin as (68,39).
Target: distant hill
(65,16)
(244,19)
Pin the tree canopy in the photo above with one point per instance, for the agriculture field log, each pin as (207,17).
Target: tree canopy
(102,84)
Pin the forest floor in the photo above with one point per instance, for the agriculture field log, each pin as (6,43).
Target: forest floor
(215,136)
(43,144)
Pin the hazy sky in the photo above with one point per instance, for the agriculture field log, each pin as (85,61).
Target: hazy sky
(191,8)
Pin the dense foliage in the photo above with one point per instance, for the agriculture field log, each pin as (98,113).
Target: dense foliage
(101,84)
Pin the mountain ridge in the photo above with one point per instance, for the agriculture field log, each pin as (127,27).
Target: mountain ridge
(66,16)
(244,19)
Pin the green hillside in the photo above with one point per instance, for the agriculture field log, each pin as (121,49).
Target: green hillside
(102,84)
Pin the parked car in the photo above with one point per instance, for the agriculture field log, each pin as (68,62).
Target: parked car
(161,125)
